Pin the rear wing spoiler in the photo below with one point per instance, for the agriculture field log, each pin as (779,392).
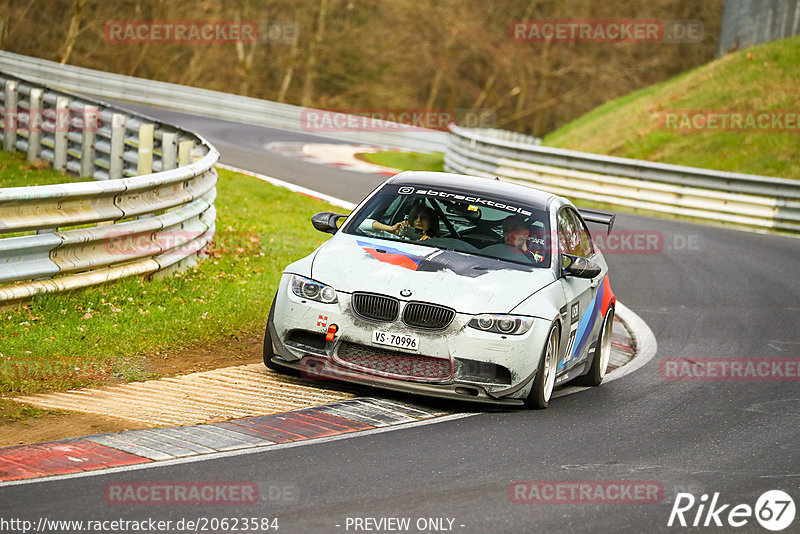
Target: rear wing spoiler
(599,217)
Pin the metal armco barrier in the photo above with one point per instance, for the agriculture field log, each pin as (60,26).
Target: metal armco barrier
(208,103)
(746,23)
(149,208)
(742,199)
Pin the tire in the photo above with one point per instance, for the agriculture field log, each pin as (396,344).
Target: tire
(545,380)
(601,354)
(269,352)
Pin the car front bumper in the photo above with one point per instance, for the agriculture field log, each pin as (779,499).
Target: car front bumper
(477,366)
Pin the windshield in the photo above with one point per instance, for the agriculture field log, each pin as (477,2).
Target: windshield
(454,220)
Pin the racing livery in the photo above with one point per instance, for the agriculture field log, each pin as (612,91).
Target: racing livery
(451,286)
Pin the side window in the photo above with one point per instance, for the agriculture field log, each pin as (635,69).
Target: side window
(573,237)
(584,247)
(565,232)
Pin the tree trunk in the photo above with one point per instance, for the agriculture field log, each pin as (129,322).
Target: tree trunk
(441,68)
(289,74)
(20,21)
(307,97)
(244,59)
(73,31)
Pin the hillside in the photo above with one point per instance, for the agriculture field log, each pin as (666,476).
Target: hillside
(755,80)
(370,55)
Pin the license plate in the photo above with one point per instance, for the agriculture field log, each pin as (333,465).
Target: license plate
(402,341)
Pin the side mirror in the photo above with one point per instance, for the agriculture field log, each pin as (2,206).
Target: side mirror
(579,266)
(327,222)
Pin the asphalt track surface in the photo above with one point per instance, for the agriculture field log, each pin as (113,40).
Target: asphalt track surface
(733,295)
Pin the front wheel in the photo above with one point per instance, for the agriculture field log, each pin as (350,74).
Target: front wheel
(545,380)
(602,354)
(269,352)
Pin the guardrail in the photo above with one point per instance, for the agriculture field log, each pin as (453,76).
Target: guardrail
(208,103)
(761,202)
(753,201)
(151,208)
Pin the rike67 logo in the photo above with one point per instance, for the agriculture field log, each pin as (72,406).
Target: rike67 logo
(774,510)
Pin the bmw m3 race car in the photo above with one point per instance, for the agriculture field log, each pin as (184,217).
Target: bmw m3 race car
(450,286)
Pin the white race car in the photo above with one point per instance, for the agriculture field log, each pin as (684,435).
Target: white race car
(450,286)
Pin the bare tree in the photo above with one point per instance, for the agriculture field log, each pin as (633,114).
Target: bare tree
(379,53)
(307,98)
(73,31)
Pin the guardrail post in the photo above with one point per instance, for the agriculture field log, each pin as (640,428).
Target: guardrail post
(117,146)
(185,153)
(62,124)
(169,151)
(35,124)
(144,163)
(10,117)
(90,120)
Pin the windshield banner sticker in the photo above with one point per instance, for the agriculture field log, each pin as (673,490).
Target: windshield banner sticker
(465,198)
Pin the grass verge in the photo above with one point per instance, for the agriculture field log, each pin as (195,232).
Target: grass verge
(15,171)
(117,331)
(760,78)
(406,161)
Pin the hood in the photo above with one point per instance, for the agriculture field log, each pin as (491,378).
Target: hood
(469,284)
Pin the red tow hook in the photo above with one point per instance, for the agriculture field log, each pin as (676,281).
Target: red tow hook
(331,332)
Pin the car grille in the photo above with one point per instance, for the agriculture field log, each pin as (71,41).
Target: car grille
(397,364)
(375,307)
(427,316)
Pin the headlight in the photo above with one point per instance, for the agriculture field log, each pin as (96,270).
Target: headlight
(502,324)
(311,289)
(506,325)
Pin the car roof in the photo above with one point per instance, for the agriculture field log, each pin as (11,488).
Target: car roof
(474,185)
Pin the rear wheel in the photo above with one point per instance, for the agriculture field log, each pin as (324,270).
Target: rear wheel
(602,354)
(545,380)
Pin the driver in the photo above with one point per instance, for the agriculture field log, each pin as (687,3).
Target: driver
(424,220)
(422,224)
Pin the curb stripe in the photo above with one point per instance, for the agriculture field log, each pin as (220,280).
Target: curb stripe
(59,458)
(163,444)
(277,435)
(333,421)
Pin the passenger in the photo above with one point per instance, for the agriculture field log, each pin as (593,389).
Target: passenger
(518,235)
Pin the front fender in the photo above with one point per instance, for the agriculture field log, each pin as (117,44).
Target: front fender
(302,266)
(544,304)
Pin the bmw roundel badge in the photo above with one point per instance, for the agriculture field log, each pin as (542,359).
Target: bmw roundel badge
(405,293)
